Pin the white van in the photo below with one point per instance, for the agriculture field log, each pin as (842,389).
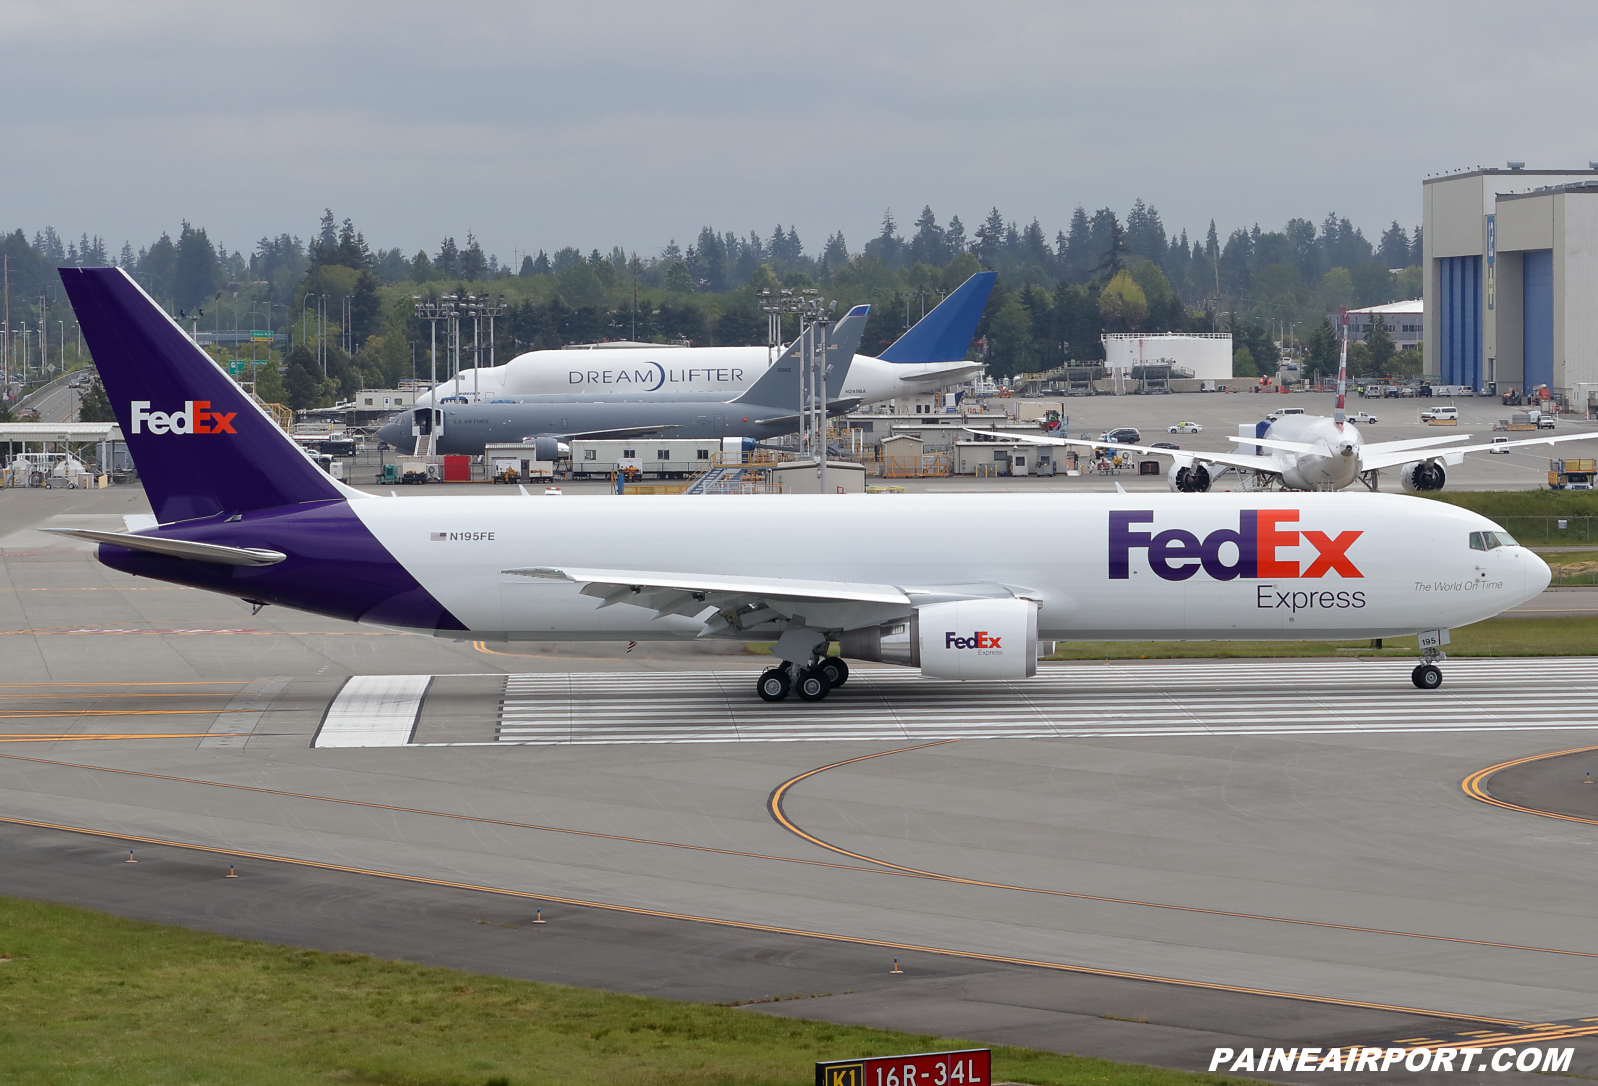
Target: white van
(1440,413)
(1283,411)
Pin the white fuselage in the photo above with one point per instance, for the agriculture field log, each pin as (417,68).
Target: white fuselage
(688,373)
(1331,465)
(1120,567)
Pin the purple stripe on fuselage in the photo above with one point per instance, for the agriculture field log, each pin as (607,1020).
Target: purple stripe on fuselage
(335,566)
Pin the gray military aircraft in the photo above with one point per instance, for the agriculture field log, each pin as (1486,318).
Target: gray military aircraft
(770,408)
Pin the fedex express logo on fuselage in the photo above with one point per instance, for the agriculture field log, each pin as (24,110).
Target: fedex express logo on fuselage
(195,418)
(1177,554)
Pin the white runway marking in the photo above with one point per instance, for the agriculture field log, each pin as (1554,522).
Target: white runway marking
(373,711)
(1275,697)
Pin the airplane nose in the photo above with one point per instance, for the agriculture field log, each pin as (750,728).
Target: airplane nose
(1537,574)
(396,436)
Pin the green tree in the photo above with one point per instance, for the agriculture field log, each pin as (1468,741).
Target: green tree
(678,279)
(1123,304)
(1373,283)
(196,274)
(1359,361)
(1010,348)
(304,383)
(1409,283)
(1243,363)
(95,405)
(764,279)
(1381,345)
(1337,290)
(1323,351)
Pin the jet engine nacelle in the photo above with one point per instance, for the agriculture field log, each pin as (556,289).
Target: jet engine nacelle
(961,639)
(551,449)
(1191,479)
(1422,475)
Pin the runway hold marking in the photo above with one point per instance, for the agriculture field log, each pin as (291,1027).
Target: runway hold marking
(1475,786)
(742,925)
(774,806)
(1278,697)
(373,711)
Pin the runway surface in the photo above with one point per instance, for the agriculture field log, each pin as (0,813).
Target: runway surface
(1308,697)
(1174,842)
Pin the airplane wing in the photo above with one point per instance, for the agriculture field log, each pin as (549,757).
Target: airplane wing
(1246,461)
(620,431)
(834,407)
(1382,448)
(1454,455)
(178,548)
(745,602)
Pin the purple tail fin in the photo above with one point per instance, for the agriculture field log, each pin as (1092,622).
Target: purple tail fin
(203,448)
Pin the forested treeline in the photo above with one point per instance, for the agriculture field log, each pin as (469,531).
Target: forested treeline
(1053,300)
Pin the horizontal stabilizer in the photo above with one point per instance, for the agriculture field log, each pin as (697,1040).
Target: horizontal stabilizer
(178,548)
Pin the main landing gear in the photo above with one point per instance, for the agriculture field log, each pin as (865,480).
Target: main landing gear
(1427,675)
(811,683)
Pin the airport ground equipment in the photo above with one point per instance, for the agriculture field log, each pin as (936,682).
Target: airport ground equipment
(1571,474)
(241,511)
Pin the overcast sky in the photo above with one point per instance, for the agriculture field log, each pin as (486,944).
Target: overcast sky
(599,124)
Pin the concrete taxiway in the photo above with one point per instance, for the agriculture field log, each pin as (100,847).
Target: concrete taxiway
(1263,853)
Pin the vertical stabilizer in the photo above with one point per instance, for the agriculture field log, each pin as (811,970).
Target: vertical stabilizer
(202,446)
(779,385)
(945,334)
(1339,416)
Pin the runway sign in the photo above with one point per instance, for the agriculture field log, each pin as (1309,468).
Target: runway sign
(967,1067)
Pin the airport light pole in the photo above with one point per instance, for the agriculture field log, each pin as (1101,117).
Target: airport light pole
(429,310)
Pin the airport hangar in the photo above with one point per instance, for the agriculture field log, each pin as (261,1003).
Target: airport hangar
(1511,280)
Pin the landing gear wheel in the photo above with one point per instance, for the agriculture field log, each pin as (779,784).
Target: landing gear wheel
(812,684)
(836,671)
(774,684)
(1427,677)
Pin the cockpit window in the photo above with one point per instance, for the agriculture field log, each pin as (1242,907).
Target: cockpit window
(1504,539)
(1486,541)
(1477,542)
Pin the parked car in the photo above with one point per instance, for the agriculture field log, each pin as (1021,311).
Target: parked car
(1125,435)
(1277,415)
(1545,421)
(1497,441)
(1164,445)
(1185,428)
(1364,417)
(1440,412)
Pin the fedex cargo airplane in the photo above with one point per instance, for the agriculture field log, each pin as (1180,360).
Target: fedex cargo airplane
(244,512)
(931,355)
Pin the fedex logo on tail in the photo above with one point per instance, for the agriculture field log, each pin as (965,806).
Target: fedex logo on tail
(195,418)
(1177,554)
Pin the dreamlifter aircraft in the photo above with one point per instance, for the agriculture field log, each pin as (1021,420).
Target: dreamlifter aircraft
(242,511)
(931,355)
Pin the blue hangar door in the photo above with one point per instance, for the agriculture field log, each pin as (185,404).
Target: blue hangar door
(1538,336)
(1459,321)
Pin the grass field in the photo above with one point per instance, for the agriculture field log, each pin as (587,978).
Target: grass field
(90,999)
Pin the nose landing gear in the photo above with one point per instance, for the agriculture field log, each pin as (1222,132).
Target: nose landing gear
(1427,675)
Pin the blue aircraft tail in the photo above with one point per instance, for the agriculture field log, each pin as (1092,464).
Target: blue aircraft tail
(203,448)
(944,335)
